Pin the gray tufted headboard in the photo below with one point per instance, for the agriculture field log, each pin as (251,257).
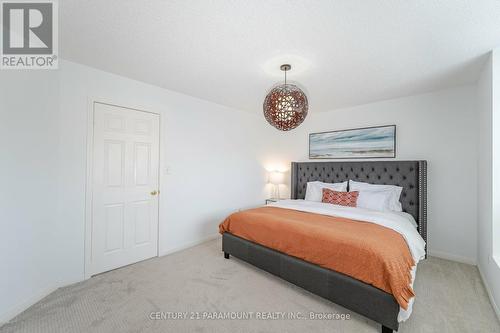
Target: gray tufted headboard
(411,175)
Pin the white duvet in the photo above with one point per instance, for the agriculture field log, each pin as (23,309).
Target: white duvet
(402,223)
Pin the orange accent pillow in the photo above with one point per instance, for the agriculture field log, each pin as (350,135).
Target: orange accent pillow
(349,199)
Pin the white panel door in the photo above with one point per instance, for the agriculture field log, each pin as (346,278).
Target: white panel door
(124,187)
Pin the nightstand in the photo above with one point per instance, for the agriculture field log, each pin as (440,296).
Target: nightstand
(268,201)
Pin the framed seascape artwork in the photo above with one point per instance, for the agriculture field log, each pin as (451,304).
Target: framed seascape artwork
(368,142)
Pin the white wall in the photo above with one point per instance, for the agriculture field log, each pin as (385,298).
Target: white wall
(215,156)
(495,56)
(488,98)
(28,187)
(439,127)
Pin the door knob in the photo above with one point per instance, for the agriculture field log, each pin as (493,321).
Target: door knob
(154,193)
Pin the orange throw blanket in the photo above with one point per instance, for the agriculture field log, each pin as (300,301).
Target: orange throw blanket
(365,251)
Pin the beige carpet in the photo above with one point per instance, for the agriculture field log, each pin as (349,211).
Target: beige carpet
(450,298)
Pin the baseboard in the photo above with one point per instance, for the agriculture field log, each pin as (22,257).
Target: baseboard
(490,295)
(20,307)
(452,257)
(190,244)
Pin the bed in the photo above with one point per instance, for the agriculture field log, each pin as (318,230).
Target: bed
(351,293)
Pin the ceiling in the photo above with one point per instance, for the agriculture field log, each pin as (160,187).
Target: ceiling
(343,53)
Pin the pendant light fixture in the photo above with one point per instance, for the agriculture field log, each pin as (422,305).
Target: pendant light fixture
(285,107)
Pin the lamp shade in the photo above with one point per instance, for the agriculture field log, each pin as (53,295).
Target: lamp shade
(276,177)
(286,105)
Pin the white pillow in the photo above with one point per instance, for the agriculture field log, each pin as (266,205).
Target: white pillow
(394,203)
(376,200)
(314,190)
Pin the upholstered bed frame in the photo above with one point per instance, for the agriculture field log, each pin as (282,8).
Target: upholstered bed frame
(346,291)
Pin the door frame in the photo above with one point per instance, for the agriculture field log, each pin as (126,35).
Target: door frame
(89,167)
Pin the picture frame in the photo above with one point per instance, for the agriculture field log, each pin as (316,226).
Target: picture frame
(355,143)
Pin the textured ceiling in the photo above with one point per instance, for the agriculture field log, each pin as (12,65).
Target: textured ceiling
(343,53)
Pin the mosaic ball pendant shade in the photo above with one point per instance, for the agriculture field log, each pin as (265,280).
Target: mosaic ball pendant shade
(285,106)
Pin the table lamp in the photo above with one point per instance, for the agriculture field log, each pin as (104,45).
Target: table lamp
(276,178)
